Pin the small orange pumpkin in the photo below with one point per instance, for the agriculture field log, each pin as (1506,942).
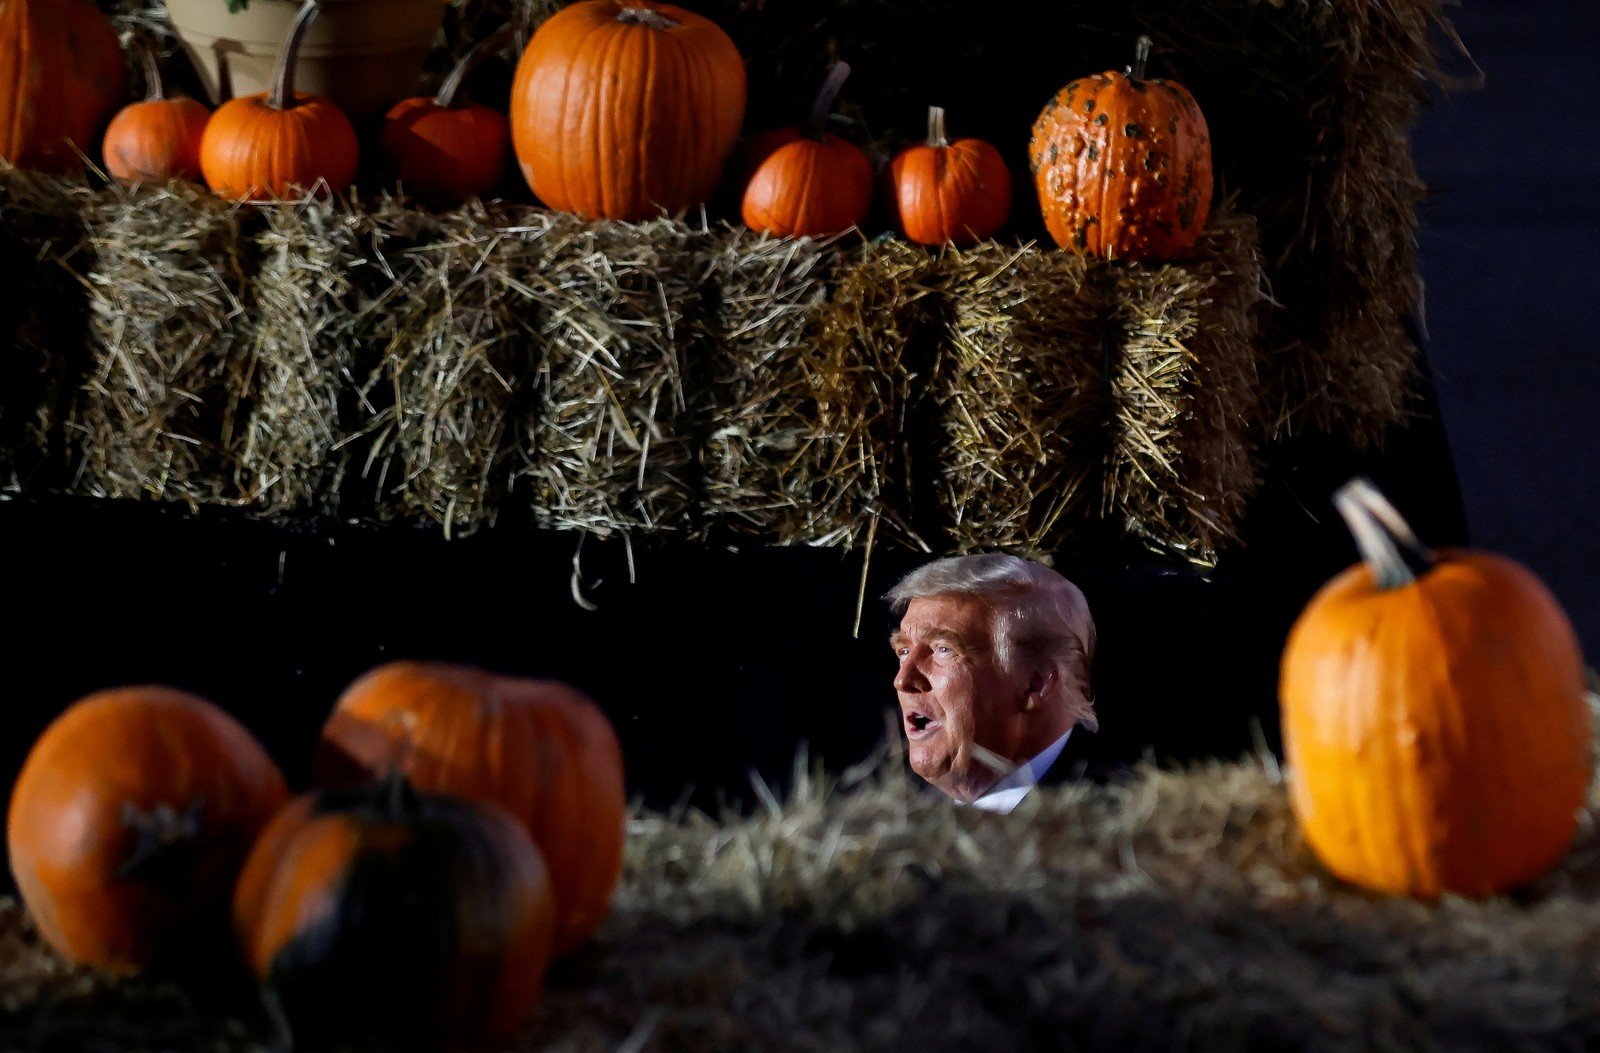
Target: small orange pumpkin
(1434,724)
(448,148)
(943,192)
(129,822)
(61,77)
(278,142)
(624,109)
(538,747)
(806,182)
(378,913)
(157,139)
(1122,165)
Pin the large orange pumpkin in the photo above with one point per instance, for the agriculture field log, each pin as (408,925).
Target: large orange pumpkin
(279,142)
(538,747)
(62,76)
(1434,724)
(159,138)
(1122,165)
(624,109)
(943,192)
(418,921)
(129,822)
(808,182)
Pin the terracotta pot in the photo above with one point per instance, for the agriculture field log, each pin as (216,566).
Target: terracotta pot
(365,55)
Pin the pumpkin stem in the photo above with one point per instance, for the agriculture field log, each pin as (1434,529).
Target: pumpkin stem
(157,830)
(281,97)
(1386,541)
(822,106)
(399,796)
(1141,56)
(936,136)
(153,90)
(645,16)
(446,99)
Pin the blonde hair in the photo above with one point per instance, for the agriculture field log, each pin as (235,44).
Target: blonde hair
(1040,617)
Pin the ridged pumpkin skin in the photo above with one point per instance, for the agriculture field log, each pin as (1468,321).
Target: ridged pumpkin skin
(62,76)
(539,748)
(157,139)
(943,191)
(1122,165)
(624,110)
(1435,733)
(129,822)
(418,920)
(802,186)
(445,153)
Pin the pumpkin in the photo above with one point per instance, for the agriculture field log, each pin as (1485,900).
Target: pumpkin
(1434,724)
(447,147)
(268,144)
(157,139)
(943,192)
(806,181)
(62,76)
(417,920)
(538,747)
(625,109)
(1122,165)
(128,824)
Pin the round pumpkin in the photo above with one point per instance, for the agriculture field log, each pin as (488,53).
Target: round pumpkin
(448,147)
(279,142)
(62,76)
(943,192)
(128,824)
(1122,165)
(1434,724)
(625,109)
(808,182)
(418,921)
(540,748)
(159,138)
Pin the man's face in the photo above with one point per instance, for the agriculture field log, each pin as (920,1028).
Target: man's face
(953,693)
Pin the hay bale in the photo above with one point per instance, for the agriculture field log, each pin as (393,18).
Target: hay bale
(1021,401)
(44,252)
(1185,393)
(460,368)
(610,445)
(764,375)
(159,413)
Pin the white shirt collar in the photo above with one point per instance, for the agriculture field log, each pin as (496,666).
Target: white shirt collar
(1006,794)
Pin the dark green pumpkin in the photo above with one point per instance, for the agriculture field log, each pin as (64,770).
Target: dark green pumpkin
(383,917)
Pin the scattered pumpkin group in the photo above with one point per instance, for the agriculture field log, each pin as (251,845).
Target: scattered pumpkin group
(462,829)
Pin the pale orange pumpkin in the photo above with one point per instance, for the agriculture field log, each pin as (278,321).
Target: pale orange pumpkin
(539,748)
(159,138)
(1434,724)
(626,109)
(943,192)
(279,142)
(807,181)
(62,76)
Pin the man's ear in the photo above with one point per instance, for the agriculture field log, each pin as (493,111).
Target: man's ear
(1042,684)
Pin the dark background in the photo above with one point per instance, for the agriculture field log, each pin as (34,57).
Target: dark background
(714,663)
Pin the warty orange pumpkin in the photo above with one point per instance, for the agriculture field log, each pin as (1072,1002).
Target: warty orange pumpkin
(943,192)
(129,822)
(278,142)
(540,748)
(1434,725)
(626,109)
(62,76)
(381,915)
(159,138)
(807,181)
(1122,165)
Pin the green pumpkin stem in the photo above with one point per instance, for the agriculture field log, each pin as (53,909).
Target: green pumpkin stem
(281,96)
(446,98)
(936,133)
(1141,56)
(153,89)
(1385,540)
(817,127)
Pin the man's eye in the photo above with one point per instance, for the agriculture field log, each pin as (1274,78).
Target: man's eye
(945,649)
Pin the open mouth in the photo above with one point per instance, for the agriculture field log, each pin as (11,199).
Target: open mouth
(919,724)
